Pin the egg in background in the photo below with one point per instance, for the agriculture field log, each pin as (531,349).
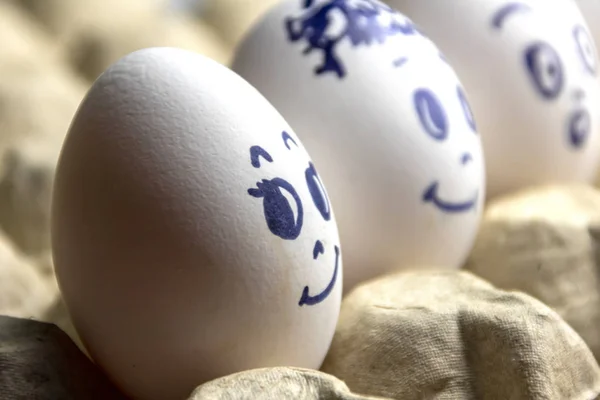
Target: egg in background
(192,235)
(590,9)
(530,70)
(386,119)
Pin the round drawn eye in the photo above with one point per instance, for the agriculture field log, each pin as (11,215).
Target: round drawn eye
(317,192)
(431,114)
(466,108)
(545,69)
(284,217)
(585,47)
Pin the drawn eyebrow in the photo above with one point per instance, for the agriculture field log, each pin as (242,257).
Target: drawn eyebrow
(287,138)
(507,10)
(255,153)
(400,61)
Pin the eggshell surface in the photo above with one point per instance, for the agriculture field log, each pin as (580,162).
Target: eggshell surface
(530,69)
(388,122)
(591,12)
(192,235)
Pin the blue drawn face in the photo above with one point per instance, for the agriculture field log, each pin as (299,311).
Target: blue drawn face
(434,121)
(284,211)
(363,27)
(547,71)
(370,23)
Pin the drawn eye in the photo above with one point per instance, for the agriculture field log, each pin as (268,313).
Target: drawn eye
(431,114)
(585,48)
(545,69)
(282,207)
(466,108)
(317,192)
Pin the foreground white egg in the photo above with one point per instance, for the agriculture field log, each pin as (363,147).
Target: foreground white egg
(192,236)
(387,121)
(531,76)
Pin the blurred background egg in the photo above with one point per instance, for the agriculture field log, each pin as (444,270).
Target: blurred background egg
(530,69)
(591,12)
(386,119)
(192,234)
(590,9)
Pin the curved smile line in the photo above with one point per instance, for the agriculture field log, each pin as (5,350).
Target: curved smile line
(579,128)
(431,196)
(312,300)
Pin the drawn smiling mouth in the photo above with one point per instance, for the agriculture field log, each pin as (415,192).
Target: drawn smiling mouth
(286,221)
(579,128)
(431,196)
(308,300)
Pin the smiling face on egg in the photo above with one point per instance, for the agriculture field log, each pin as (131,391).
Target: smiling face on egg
(200,228)
(551,75)
(436,122)
(530,69)
(554,61)
(285,210)
(366,21)
(387,121)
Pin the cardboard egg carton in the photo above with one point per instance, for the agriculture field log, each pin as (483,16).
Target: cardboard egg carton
(542,243)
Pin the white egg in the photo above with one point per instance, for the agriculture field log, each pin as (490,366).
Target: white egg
(531,76)
(192,236)
(590,9)
(387,121)
(586,9)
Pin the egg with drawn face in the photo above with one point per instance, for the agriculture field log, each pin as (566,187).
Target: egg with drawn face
(192,235)
(531,71)
(586,9)
(385,117)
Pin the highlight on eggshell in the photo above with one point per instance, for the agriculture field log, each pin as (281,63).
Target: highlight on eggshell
(387,121)
(192,234)
(530,69)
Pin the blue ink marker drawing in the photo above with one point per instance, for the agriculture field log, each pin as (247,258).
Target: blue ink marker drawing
(431,113)
(281,219)
(255,153)
(287,138)
(506,11)
(318,249)
(363,28)
(431,196)
(585,48)
(466,158)
(434,120)
(400,61)
(279,214)
(309,300)
(317,192)
(545,69)
(443,58)
(579,128)
(466,108)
